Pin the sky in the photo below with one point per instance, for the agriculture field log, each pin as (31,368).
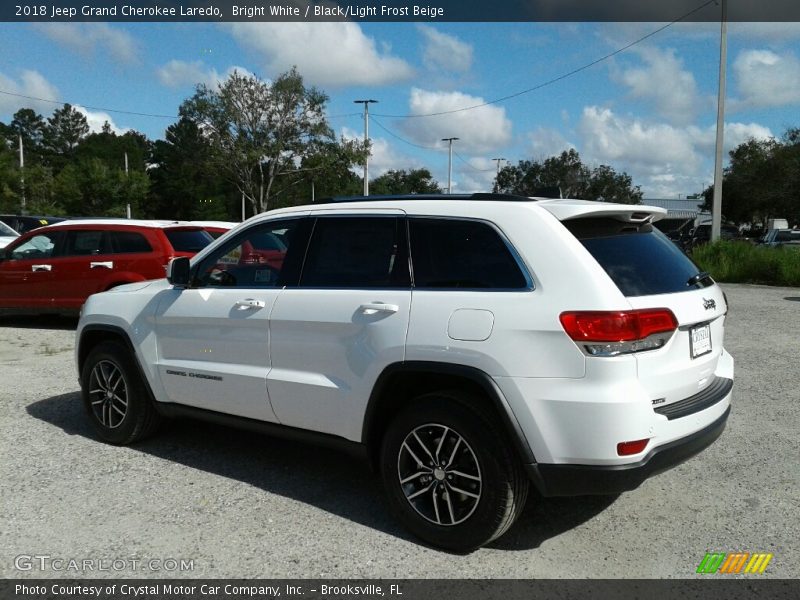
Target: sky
(649,110)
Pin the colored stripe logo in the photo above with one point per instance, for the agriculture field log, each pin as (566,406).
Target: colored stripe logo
(734,562)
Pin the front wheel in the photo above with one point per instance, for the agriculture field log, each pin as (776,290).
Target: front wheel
(115,397)
(450,474)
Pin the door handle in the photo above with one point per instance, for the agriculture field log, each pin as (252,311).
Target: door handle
(106,264)
(249,303)
(41,267)
(371,308)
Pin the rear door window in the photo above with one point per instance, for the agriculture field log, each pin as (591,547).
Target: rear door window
(458,254)
(357,252)
(640,259)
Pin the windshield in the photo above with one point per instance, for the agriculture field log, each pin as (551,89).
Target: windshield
(5,230)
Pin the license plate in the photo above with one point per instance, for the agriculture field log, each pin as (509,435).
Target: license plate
(700,340)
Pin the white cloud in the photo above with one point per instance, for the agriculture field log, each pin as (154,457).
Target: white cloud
(31,84)
(546,142)
(665,82)
(443,51)
(96,120)
(479,130)
(474,174)
(87,38)
(383,156)
(326,54)
(764,78)
(664,159)
(179,73)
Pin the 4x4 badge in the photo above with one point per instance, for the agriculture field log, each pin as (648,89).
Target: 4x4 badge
(709,304)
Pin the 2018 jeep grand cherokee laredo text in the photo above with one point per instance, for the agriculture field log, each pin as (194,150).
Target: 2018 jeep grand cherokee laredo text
(468,345)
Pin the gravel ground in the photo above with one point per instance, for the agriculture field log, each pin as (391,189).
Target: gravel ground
(243,505)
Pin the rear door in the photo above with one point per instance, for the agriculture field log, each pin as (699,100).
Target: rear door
(334,333)
(82,267)
(653,273)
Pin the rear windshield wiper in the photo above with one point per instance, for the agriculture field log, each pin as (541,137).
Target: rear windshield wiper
(701,276)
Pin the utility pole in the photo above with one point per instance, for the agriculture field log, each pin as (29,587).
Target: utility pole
(22,175)
(450,163)
(497,160)
(366,104)
(128,206)
(716,207)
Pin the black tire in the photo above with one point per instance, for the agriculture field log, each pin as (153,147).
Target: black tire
(115,397)
(478,493)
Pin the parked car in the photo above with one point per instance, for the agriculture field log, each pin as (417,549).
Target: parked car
(25,223)
(782,238)
(7,235)
(469,346)
(702,235)
(215,228)
(56,267)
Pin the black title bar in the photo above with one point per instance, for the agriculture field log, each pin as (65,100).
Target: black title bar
(400,10)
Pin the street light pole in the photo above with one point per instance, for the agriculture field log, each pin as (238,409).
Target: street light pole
(716,209)
(22,175)
(366,104)
(497,160)
(450,163)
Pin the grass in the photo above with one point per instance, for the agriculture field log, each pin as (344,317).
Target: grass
(740,262)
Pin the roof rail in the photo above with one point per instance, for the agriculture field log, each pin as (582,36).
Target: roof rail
(477,196)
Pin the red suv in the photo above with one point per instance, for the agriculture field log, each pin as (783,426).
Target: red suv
(55,268)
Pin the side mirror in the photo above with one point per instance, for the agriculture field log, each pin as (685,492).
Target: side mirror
(178,271)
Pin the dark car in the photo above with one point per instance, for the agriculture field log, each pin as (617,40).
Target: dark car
(702,235)
(24,223)
(782,238)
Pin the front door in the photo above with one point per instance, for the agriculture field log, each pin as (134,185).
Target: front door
(213,337)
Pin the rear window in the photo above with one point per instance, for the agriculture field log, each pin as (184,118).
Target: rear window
(640,259)
(188,240)
(453,254)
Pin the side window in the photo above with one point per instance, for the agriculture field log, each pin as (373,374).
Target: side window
(452,253)
(254,259)
(86,243)
(38,247)
(357,252)
(128,242)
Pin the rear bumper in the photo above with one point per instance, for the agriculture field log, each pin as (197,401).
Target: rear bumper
(579,480)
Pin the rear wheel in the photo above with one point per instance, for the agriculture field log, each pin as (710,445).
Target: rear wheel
(115,397)
(449,474)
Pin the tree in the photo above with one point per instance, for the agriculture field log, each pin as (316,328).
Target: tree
(185,183)
(762,181)
(571,177)
(64,131)
(260,130)
(413,181)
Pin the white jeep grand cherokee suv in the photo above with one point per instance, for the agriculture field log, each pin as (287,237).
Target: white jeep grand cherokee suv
(469,346)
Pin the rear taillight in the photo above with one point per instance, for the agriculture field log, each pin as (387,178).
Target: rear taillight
(609,333)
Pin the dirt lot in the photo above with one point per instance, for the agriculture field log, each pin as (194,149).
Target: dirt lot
(241,505)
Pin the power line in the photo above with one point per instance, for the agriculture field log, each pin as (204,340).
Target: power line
(130,112)
(111,110)
(554,79)
(474,168)
(405,141)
